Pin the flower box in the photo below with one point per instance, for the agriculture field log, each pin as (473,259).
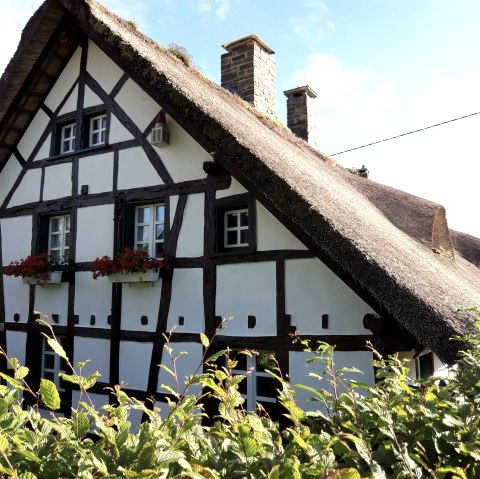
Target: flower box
(137,277)
(54,277)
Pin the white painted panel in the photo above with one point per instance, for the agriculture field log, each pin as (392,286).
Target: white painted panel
(97,352)
(135,170)
(44,151)
(16,298)
(173,207)
(92,297)
(28,190)
(190,239)
(140,299)
(102,68)
(95,400)
(71,103)
(96,172)
(187,301)
(271,234)
(33,134)
(135,364)
(58,181)
(184,157)
(235,189)
(65,81)
(91,99)
(94,232)
(135,418)
(299,371)
(16,238)
(117,131)
(16,345)
(52,299)
(186,366)
(311,290)
(247,289)
(137,104)
(8,176)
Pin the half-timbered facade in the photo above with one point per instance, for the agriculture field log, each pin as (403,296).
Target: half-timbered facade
(277,248)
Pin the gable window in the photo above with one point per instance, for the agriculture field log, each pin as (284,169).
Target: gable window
(424,365)
(235,224)
(67,141)
(97,130)
(59,237)
(150,228)
(52,364)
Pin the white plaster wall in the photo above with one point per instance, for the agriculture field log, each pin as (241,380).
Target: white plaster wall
(44,151)
(173,200)
(65,81)
(190,239)
(97,352)
(185,366)
(33,134)
(137,104)
(96,172)
(92,297)
(135,170)
(71,103)
(16,298)
(117,131)
(28,190)
(58,181)
(135,364)
(184,157)
(299,371)
(247,289)
(8,176)
(16,238)
(94,232)
(235,189)
(409,355)
(140,299)
(90,99)
(52,299)
(311,290)
(16,345)
(102,68)
(187,301)
(272,235)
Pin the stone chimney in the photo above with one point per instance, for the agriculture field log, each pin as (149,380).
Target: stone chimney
(301,114)
(249,70)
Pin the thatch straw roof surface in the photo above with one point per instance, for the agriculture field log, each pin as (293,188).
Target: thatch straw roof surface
(392,248)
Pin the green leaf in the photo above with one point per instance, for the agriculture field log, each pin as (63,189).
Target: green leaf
(21,372)
(82,425)
(204,340)
(49,394)
(57,347)
(146,458)
(29,456)
(3,443)
(275,472)
(349,474)
(27,475)
(13,382)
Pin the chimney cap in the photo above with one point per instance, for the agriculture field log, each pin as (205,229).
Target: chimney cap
(300,89)
(236,43)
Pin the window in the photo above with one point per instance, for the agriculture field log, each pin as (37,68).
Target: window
(97,130)
(235,225)
(52,364)
(67,142)
(59,236)
(258,386)
(424,365)
(150,228)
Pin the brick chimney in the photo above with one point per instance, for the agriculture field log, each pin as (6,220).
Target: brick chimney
(249,70)
(301,114)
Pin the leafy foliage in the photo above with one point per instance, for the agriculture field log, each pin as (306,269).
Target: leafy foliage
(397,429)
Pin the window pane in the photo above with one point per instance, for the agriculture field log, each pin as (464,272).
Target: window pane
(48,375)
(160,216)
(103,136)
(266,387)
(231,237)
(232,220)
(159,230)
(55,254)
(142,247)
(244,236)
(55,224)
(241,362)
(54,241)
(95,139)
(244,218)
(67,239)
(143,233)
(66,255)
(242,387)
(158,250)
(48,361)
(67,222)
(143,215)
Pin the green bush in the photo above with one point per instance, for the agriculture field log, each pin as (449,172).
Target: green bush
(397,429)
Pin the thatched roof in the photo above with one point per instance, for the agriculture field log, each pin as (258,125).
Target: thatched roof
(392,248)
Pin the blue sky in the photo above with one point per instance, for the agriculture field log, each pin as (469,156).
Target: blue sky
(380,68)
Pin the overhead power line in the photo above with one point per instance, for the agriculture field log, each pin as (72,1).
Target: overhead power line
(405,134)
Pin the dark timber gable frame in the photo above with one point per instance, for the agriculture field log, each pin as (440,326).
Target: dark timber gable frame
(392,249)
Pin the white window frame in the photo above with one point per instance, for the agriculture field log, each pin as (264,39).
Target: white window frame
(151,225)
(102,131)
(64,246)
(67,144)
(238,228)
(251,397)
(57,363)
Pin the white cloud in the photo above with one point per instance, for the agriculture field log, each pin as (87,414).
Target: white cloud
(222,9)
(219,8)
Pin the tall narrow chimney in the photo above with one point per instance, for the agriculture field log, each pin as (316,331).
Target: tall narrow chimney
(249,70)
(301,115)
